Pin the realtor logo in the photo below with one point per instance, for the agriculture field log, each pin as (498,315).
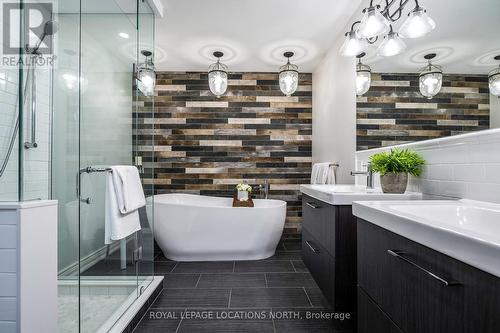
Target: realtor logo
(27,27)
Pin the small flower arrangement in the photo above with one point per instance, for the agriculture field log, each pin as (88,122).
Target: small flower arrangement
(243,191)
(244,187)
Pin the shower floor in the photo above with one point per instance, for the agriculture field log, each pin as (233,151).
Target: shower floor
(100,301)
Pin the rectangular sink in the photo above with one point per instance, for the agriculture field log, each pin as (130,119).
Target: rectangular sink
(345,194)
(466,230)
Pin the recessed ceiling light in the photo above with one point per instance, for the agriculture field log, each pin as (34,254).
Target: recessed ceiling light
(124,35)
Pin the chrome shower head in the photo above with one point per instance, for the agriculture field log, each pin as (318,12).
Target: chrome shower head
(50,28)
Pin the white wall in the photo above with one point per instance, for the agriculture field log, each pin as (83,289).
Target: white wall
(494,111)
(463,166)
(36,161)
(334,112)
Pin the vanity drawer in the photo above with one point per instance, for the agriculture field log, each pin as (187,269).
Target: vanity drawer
(396,273)
(320,264)
(319,221)
(372,319)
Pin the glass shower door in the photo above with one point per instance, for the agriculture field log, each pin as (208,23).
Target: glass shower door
(108,281)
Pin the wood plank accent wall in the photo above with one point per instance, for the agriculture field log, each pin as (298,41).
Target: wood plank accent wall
(206,145)
(393,111)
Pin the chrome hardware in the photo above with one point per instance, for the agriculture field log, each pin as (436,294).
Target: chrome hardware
(368,173)
(312,247)
(264,189)
(312,205)
(399,255)
(91,169)
(87,200)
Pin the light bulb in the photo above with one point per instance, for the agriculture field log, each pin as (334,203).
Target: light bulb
(417,24)
(363,79)
(217,80)
(353,45)
(289,81)
(494,82)
(430,84)
(392,45)
(373,24)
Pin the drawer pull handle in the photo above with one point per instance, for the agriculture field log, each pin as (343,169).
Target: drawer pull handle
(400,255)
(312,247)
(312,205)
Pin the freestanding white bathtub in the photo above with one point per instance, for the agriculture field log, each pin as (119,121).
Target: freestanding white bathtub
(201,228)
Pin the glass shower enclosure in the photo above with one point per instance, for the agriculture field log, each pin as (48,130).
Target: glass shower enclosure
(64,122)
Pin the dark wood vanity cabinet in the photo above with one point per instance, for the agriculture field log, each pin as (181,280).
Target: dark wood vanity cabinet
(405,286)
(329,251)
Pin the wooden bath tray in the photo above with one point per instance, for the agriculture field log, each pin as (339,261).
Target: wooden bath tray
(237,203)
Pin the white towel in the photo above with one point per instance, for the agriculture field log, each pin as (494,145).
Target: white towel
(128,188)
(322,173)
(118,225)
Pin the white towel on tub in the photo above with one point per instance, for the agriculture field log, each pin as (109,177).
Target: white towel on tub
(120,197)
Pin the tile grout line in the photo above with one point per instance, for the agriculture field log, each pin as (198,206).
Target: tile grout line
(307,295)
(265,278)
(198,281)
(180,322)
(295,269)
(234,265)
(175,266)
(229,302)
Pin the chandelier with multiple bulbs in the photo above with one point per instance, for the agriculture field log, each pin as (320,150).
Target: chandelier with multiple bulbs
(218,76)
(378,21)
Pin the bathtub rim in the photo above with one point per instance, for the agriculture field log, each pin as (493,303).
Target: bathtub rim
(153,199)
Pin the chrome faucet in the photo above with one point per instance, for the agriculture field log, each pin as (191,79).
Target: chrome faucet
(264,189)
(368,173)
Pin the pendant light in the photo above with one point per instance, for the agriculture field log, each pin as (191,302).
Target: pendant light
(431,78)
(289,76)
(392,45)
(417,24)
(373,23)
(494,79)
(363,76)
(217,76)
(146,76)
(353,45)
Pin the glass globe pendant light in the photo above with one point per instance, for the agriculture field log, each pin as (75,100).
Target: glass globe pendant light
(217,76)
(146,76)
(353,45)
(392,45)
(494,80)
(431,78)
(363,76)
(289,76)
(373,23)
(417,24)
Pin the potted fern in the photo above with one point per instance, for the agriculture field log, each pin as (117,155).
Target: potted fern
(394,167)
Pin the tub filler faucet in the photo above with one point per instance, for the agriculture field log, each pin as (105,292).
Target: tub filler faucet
(368,173)
(264,189)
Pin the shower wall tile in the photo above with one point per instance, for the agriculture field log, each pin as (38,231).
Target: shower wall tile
(394,112)
(206,145)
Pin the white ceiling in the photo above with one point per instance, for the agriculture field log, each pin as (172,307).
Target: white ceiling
(466,39)
(253,34)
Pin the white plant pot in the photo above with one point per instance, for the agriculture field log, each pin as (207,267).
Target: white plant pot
(242,195)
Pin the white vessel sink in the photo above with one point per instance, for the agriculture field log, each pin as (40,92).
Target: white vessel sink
(346,194)
(466,230)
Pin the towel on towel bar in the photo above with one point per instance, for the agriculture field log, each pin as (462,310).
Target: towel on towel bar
(124,196)
(322,173)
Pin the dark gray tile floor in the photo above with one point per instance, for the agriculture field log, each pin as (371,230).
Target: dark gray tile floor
(273,295)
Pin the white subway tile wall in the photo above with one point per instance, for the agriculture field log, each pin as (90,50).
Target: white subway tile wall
(36,161)
(463,166)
